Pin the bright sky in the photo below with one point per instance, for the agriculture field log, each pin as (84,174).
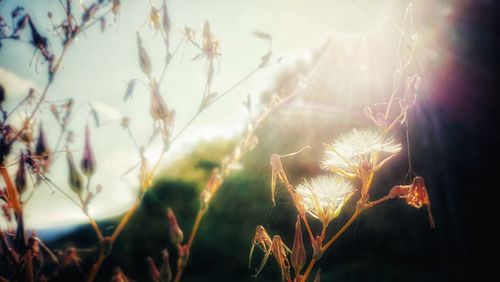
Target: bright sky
(97,67)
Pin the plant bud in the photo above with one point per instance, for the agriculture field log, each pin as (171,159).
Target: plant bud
(144,60)
(88,162)
(176,234)
(42,149)
(165,271)
(153,270)
(21,178)
(75,179)
(298,256)
(316,245)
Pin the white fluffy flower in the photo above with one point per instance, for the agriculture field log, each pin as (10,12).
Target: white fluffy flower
(357,148)
(324,196)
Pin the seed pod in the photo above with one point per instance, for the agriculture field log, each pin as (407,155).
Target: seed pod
(298,256)
(21,178)
(166,23)
(42,150)
(158,107)
(176,234)
(2,94)
(75,179)
(144,61)
(88,163)
(165,271)
(153,270)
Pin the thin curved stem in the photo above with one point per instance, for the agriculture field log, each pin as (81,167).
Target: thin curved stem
(309,269)
(96,266)
(192,235)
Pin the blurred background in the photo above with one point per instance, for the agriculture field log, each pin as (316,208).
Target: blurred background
(452,136)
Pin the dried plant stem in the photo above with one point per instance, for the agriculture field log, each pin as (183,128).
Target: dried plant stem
(125,219)
(196,224)
(341,230)
(123,222)
(192,235)
(94,225)
(11,191)
(96,266)
(309,269)
(92,221)
(329,243)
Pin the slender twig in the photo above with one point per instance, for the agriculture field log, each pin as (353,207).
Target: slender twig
(192,235)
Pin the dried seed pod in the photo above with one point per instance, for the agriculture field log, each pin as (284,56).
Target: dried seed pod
(415,195)
(42,150)
(119,276)
(144,60)
(176,234)
(167,25)
(21,177)
(116,7)
(298,256)
(89,12)
(88,163)
(2,94)
(75,179)
(165,271)
(153,270)
(158,109)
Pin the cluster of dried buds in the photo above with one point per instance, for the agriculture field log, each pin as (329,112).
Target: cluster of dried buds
(35,159)
(87,168)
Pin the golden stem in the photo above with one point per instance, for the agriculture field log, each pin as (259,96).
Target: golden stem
(192,235)
(125,219)
(308,270)
(11,191)
(96,266)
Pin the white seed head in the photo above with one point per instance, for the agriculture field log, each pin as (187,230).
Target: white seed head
(351,149)
(324,196)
